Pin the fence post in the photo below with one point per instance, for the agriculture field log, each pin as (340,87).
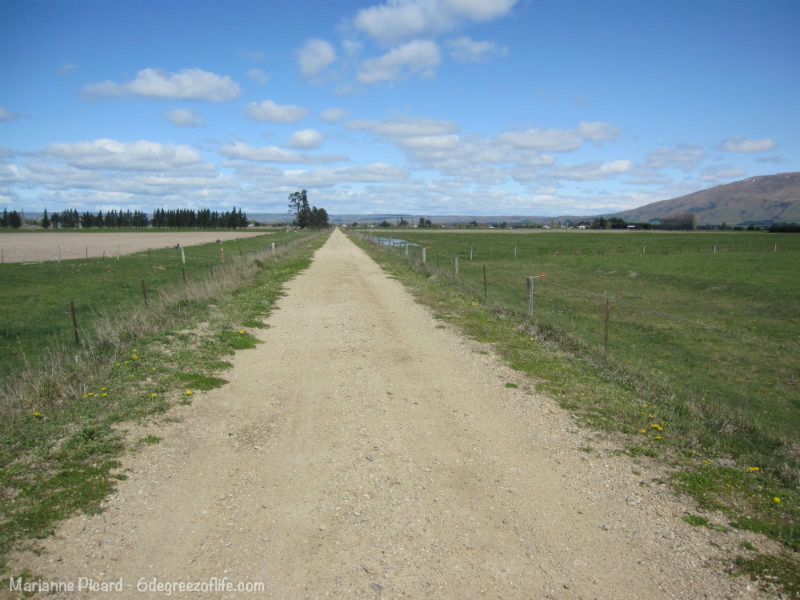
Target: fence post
(406,248)
(530,297)
(183,272)
(608,311)
(59,254)
(643,248)
(144,292)
(222,255)
(424,252)
(456,267)
(515,253)
(74,322)
(273,247)
(485,293)
(183,256)
(470,254)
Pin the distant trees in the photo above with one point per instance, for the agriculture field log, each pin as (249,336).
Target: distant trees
(687,222)
(11,219)
(305,215)
(173,218)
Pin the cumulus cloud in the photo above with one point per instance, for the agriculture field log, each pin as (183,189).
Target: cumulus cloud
(185,117)
(684,157)
(314,57)
(419,57)
(306,139)
(591,171)
(399,20)
(275,154)
(187,84)
(333,115)
(115,155)
(274,113)
(544,139)
(739,143)
(404,127)
(466,50)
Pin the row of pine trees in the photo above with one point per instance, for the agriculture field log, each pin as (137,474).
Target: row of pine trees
(174,219)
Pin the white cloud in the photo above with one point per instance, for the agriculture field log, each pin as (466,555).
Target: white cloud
(187,84)
(560,140)
(275,113)
(185,117)
(404,127)
(333,115)
(739,143)
(314,57)
(258,76)
(684,157)
(598,131)
(306,139)
(399,20)
(466,50)
(372,173)
(111,154)
(591,171)
(419,57)
(240,150)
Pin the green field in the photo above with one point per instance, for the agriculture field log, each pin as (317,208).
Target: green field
(719,327)
(35,309)
(703,338)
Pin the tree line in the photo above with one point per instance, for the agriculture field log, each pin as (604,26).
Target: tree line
(116,219)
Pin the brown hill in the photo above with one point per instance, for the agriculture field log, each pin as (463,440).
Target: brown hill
(761,200)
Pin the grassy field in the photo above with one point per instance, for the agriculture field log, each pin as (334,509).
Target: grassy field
(35,299)
(66,412)
(703,336)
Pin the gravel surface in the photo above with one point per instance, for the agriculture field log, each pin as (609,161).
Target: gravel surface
(40,247)
(363,451)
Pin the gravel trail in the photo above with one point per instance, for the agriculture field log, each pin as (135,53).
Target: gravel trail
(363,451)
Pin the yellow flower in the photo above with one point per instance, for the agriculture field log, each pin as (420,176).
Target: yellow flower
(643,431)
(103,389)
(188,392)
(776,499)
(117,364)
(38,415)
(753,469)
(153,395)
(90,394)
(658,437)
(241,331)
(104,394)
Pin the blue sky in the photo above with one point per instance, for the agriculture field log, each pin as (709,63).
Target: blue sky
(422,107)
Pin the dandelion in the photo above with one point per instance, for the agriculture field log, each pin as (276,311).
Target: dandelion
(90,394)
(241,331)
(776,500)
(104,394)
(188,392)
(103,389)
(643,431)
(38,415)
(657,426)
(705,462)
(753,469)
(658,437)
(153,395)
(117,364)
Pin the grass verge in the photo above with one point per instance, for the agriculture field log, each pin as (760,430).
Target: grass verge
(62,431)
(713,456)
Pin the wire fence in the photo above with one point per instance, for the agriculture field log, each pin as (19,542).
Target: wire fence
(663,326)
(57,303)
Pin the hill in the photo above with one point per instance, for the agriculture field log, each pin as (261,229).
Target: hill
(760,200)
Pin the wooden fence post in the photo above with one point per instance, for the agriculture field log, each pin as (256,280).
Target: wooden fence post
(456,267)
(424,253)
(144,292)
(608,311)
(530,297)
(485,293)
(74,322)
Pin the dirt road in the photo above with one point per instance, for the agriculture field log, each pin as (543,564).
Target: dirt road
(363,452)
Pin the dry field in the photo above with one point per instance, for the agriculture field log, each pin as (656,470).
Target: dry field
(40,247)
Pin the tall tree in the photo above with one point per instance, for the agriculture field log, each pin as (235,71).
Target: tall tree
(298,205)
